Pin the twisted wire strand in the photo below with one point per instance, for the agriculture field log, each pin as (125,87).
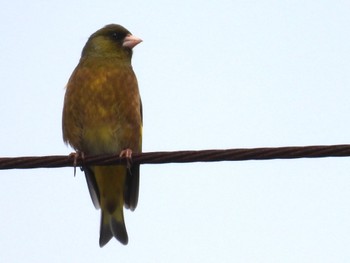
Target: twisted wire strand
(241,154)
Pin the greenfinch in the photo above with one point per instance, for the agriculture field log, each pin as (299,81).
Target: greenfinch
(102,114)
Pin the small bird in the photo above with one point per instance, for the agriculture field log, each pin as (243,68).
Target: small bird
(102,114)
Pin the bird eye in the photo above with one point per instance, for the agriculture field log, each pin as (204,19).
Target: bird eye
(117,36)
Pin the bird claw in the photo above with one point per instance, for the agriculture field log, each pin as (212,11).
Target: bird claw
(75,156)
(127,154)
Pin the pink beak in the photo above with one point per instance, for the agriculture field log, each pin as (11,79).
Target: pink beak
(131,41)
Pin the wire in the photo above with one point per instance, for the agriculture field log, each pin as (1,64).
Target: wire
(179,157)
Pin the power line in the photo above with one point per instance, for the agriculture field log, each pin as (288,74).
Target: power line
(241,154)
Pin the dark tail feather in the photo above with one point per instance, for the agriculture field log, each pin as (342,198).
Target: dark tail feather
(105,229)
(113,225)
(119,231)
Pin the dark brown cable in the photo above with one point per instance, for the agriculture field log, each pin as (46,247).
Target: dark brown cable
(181,156)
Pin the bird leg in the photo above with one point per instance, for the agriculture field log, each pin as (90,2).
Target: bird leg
(127,153)
(75,156)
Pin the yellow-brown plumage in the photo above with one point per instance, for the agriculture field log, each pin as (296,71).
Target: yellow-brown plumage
(103,114)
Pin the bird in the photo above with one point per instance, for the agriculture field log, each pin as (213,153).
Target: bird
(102,114)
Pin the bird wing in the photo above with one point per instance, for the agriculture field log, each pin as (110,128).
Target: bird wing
(92,185)
(131,195)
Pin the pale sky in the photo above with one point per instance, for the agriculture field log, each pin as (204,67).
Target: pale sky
(212,75)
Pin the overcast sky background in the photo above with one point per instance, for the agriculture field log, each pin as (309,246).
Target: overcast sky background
(213,74)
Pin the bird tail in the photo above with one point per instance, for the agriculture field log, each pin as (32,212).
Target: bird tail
(113,225)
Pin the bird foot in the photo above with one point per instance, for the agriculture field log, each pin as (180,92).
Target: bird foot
(75,156)
(127,153)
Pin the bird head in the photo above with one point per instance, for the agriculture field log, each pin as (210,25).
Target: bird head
(111,41)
